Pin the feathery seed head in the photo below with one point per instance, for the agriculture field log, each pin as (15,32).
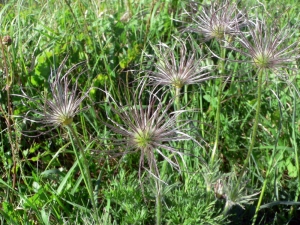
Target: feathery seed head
(266,48)
(62,105)
(177,71)
(146,127)
(220,20)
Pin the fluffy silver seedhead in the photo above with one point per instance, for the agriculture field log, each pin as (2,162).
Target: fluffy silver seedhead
(267,47)
(219,21)
(60,105)
(178,70)
(148,128)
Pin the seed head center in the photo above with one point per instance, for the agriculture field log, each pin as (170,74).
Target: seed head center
(262,60)
(143,138)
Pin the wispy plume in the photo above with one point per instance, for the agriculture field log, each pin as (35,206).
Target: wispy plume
(60,105)
(146,127)
(177,70)
(266,47)
(220,20)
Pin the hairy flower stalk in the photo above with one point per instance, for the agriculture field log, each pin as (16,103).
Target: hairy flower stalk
(58,110)
(218,120)
(269,51)
(148,128)
(220,21)
(177,67)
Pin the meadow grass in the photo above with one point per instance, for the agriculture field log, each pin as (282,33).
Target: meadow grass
(113,138)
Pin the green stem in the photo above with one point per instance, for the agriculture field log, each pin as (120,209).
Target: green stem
(260,198)
(83,166)
(158,194)
(253,137)
(201,116)
(158,202)
(218,123)
(177,98)
(255,125)
(270,167)
(218,120)
(254,131)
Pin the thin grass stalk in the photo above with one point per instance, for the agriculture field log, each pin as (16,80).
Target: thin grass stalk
(261,194)
(295,150)
(83,124)
(82,121)
(201,118)
(149,22)
(234,72)
(129,7)
(159,188)
(83,166)
(255,125)
(9,113)
(218,120)
(295,144)
(72,12)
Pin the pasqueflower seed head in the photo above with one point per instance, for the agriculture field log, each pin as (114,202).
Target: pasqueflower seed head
(147,127)
(266,47)
(59,107)
(178,70)
(219,21)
